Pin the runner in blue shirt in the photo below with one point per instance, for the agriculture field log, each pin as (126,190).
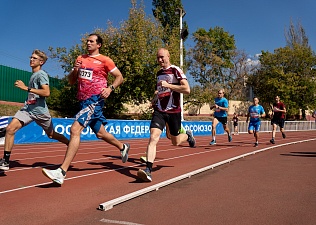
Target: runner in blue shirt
(255,111)
(220,115)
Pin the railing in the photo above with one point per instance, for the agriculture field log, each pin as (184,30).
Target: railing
(266,126)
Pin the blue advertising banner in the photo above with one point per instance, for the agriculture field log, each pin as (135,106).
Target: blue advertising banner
(121,129)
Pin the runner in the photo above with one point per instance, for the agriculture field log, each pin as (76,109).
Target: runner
(171,81)
(278,115)
(34,109)
(314,115)
(220,116)
(235,123)
(255,111)
(91,71)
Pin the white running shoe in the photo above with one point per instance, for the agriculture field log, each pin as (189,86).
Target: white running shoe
(191,139)
(4,165)
(54,175)
(124,152)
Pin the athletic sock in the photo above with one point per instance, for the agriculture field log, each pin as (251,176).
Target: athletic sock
(63,171)
(149,165)
(6,155)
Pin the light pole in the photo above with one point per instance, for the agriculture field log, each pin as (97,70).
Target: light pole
(181,13)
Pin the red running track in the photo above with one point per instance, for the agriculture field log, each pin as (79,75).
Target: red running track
(263,188)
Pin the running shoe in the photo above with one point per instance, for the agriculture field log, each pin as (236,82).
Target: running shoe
(272,141)
(4,165)
(255,145)
(283,135)
(124,152)
(213,142)
(191,139)
(145,175)
(143,159)
(55,175)
(230,138)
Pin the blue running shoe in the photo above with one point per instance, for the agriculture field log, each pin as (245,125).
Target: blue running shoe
(230,138)
(213,142)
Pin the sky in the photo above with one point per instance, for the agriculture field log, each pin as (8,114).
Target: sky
(40,24)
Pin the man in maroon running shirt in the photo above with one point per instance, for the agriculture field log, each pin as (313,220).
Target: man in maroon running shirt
(278,115)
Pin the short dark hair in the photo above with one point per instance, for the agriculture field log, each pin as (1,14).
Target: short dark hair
(99,38)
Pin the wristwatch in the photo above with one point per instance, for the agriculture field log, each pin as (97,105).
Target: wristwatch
(28,89)
(112,87)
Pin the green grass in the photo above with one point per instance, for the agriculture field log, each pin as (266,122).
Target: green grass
(8,110)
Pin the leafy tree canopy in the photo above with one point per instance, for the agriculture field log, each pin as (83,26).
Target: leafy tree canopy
(287,73)
(133,48)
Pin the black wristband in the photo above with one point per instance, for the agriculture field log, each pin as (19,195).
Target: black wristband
(28,89)
(112,87)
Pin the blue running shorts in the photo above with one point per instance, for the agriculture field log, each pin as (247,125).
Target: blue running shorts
(91,113)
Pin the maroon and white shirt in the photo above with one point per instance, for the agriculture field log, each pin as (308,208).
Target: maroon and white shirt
(168,100)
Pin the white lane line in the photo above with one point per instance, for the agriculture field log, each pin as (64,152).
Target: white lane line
(165,182)
(107,171)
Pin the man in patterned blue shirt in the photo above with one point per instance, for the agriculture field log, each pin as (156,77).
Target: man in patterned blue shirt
(255,111)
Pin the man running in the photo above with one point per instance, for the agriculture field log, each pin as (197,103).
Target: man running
(278,115)
(220,116)
(235,123)
(255,111)
(171,81)
(34,109)
(91,72)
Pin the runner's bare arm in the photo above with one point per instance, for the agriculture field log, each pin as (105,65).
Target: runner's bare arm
(44,91)
(118,78)
(73,75)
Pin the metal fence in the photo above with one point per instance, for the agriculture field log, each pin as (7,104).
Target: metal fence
(9,75)
(266,126)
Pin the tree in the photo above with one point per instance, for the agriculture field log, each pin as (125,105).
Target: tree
(165,11)
(296,35)
(210,60)
(287,73)
(133,48)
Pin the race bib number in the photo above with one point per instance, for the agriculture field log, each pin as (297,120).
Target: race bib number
(31,99)
(86,74)
(254,115)
(163,91)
